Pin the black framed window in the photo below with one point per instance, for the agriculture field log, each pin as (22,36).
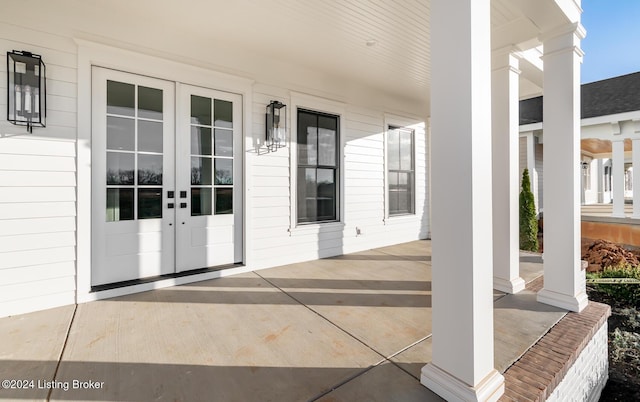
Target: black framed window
(318,166)
(400,170)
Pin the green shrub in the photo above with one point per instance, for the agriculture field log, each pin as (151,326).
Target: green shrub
(528,220)
(630,292)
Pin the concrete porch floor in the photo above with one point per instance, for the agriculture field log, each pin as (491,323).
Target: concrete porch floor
(350,328)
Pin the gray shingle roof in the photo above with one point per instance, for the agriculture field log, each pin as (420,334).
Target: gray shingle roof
(611,96)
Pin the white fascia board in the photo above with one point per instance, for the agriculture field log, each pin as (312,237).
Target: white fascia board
(610,118)
(531,127)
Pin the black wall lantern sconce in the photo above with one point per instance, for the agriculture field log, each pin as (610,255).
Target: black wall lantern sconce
(276,125)
(26,89)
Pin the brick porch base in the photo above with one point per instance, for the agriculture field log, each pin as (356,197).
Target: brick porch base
(543,367)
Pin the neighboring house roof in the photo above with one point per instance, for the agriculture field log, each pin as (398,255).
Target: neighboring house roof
(611,96)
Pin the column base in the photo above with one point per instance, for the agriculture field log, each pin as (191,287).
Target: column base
(450,388)
(573,303)
(512,286)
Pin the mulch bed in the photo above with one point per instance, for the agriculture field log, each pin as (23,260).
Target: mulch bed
(624,367)
(623,324)
(602,253)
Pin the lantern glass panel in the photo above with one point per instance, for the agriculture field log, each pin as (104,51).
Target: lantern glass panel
(26,89)
(276,124)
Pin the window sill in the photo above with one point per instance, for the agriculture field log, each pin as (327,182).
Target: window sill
(315,228)
(400,218)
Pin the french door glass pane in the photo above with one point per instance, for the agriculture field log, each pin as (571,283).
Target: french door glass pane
(120,98)
(149,169)
(149,103)
(223,142)
(120,167)
(200,140)
(224,201)
(149,203)
(136,136)
(149,136)
(200,110)
(200,171)
(223,113)
(121,133)
(200,201)
(224,171)
(119,204)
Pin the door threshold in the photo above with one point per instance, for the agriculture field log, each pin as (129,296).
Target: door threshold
(132,282)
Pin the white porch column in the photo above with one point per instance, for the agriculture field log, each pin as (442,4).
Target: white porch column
(635,149)
(533,173)
(462,364)
(600,178)
(564,281)
(617,171)
(505,155)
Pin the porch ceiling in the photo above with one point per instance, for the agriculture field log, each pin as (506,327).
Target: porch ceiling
(351,48)
(601,148)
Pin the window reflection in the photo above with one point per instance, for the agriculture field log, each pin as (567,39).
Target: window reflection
(317,167)
(400,171)
(120,167)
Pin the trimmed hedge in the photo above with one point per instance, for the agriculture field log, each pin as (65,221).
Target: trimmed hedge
(630,292)
(528,219)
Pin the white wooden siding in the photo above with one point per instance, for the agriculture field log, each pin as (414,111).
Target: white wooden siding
(37,184)
(277,240)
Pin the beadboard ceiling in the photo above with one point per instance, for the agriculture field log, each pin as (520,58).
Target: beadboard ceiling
(350,44)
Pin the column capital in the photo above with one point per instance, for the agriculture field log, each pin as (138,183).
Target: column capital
(636,126)
(506,58)
(575,28)
(562,39)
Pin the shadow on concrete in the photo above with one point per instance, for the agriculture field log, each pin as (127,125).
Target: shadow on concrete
(531,258)
(212,296)
(380,257)
(356,284)
(178,382)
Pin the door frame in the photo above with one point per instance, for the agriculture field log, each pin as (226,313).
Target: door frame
(138,62)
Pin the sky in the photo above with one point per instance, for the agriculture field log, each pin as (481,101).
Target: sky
(612,45)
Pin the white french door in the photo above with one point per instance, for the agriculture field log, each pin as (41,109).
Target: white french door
(209,178)
(166,197)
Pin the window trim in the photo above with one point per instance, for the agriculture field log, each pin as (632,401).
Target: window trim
(323,106)
(416,127)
